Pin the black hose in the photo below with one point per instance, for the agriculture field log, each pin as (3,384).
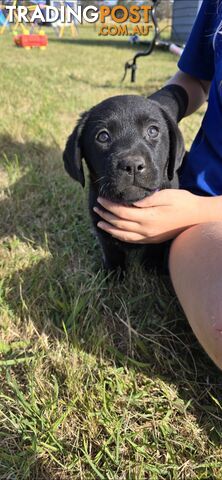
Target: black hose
(132,63)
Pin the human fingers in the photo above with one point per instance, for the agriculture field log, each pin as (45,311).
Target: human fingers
(117,221)
(122,235)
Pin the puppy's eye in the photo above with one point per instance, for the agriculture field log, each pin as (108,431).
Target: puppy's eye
(103,136)
(153,131)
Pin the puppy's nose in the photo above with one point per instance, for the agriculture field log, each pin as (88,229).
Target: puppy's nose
(132,166)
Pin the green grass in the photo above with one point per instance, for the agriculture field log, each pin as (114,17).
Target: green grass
(98,380)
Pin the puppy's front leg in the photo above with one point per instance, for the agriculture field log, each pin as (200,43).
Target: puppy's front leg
(114,258)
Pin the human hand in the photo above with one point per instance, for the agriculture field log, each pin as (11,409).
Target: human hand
(154,219)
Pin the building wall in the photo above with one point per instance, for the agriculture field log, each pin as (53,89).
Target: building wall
(184,14)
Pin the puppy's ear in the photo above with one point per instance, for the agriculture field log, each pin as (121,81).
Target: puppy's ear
(72,155)
(177,149)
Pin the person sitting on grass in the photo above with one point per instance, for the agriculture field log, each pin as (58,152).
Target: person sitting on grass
(191,216)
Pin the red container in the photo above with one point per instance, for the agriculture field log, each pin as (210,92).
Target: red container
(32,40)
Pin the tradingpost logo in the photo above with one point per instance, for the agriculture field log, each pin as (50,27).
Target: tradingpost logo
(114,20)
(125,21)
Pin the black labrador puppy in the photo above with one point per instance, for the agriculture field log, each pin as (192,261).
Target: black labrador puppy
(132,147)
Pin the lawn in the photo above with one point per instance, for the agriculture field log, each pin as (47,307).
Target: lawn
(98,380)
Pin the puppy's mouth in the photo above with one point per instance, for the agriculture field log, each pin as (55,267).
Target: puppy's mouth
(131,195)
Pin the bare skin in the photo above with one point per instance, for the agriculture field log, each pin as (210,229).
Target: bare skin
(197,89)
(195,224)
(195,267)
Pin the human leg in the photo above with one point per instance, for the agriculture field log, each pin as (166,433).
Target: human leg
(195,265)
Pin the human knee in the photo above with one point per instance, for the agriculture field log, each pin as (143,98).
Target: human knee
(211,231)
(195,266)
(196,243)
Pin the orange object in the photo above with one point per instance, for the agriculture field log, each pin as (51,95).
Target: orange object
(31,40)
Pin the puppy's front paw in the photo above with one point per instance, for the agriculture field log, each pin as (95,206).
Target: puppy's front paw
(113,270)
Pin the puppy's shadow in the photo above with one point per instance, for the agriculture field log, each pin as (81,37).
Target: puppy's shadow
(44,220)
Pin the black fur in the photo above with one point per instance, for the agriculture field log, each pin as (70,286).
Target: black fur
(130,165)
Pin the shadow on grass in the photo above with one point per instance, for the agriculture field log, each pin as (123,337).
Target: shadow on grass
(119,44)
(144,90)
(59,284)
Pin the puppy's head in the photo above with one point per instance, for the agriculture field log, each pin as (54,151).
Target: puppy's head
(131,145)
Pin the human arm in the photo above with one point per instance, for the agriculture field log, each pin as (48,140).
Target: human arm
(197,89)
(196,65)
(158,218)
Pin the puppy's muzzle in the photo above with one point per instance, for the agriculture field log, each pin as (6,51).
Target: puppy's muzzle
(132,167)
